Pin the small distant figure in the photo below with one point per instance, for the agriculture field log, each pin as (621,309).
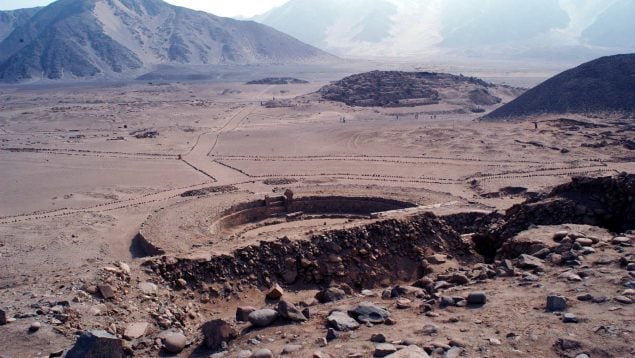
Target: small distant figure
(536,125)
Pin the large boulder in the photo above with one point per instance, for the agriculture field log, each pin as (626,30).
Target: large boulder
(341,321)
(367,312)
(330,294)
(216,332)
(97,344)
(174,342)
(263,317)
(289,311)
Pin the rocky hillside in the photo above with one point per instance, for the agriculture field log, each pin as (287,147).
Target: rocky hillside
(80,38)
(9,20)
(399,89)
(605,84)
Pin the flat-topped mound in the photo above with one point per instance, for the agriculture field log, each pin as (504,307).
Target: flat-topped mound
(603,85)
(277,81)
(397,89)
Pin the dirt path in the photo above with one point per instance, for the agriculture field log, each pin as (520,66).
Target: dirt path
(198,158)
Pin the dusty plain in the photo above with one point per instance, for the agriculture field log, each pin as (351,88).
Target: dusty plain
(76,186)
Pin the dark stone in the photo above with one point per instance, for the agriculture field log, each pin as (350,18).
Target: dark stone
(367,312)
(216,332)
(331,334)
(330,294)
(3,318)
(97,344)
(556,303)
(289,311)
(477,298)
(106,291)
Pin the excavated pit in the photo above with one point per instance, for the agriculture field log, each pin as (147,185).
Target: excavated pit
(380,251)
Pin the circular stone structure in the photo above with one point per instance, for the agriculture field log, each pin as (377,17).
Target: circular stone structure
(219,223)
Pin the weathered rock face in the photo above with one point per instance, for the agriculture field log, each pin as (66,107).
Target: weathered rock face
(607,202)
(360,256)
(97,344)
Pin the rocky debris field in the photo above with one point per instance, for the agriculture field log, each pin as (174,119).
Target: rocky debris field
(415,287)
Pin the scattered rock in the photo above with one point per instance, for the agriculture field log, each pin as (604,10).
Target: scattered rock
(454,352)
(384,349)
(181,283)
(620,240)
(378,338)
(404,303)
(624,300)
(106,291)
(569,318)
(556,303)
(275,292)
(583,241)
(218,331)
(35,326)
(125,268)
(459,279)
(567,344)
(291,348)
(530,262)
(97,344)
(148,288)
(559,235)
(330,294)
(244,354)
(289,311)
(599,299)
(411,351)
(242,313)
(367,312)
(341,321)
(437,259)
(262,353)
(331,334)
(136,330)
(320,354)
(174,342)
(572,277)
(477,298)
(429,330)
(263,317)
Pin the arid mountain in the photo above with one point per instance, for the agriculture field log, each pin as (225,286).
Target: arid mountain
(9,20)
(80,38)
(605,84)
(517,29)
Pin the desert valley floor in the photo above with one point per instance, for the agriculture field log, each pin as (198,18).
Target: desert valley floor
(85,170)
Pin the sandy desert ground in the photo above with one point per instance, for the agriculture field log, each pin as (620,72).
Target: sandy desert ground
(77,186)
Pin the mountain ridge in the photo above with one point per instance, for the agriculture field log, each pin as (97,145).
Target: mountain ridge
(87,38)
(513,29)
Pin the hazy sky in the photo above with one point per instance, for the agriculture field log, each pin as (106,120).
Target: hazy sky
(244,8)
